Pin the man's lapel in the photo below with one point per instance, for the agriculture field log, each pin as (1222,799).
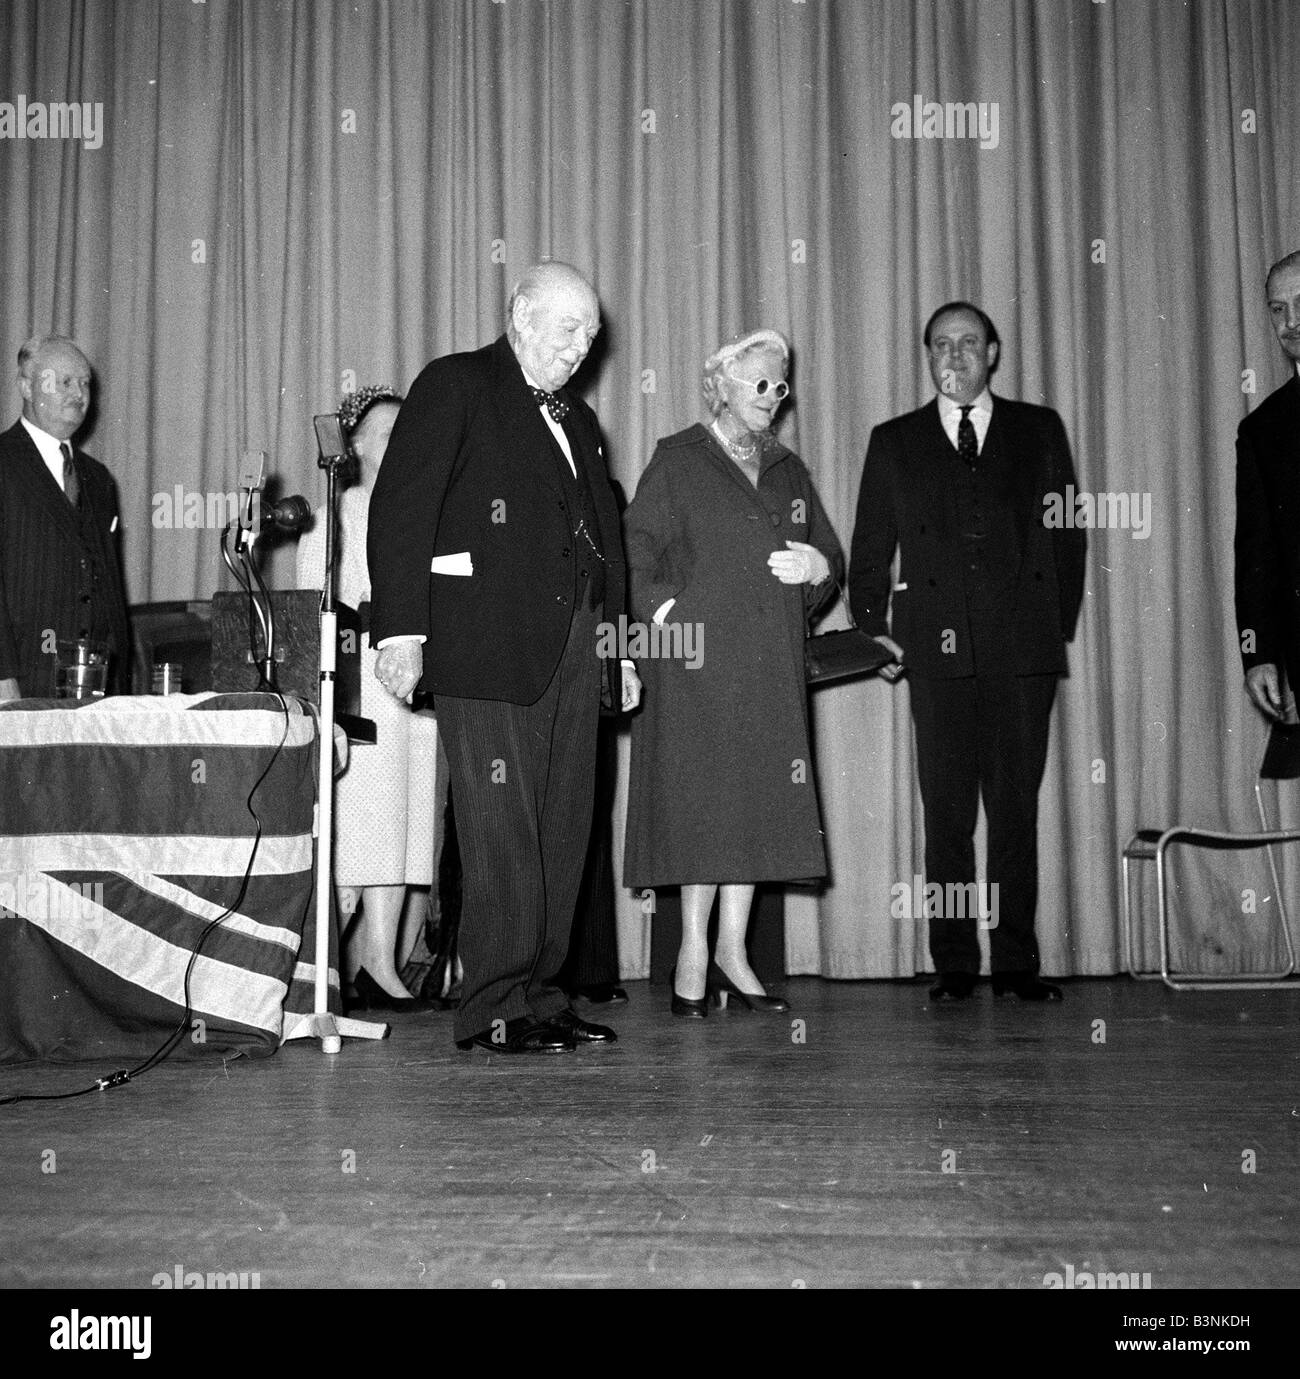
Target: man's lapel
(32,475)
(938,467)
(584,445)
(522,416)
(1026,472)
(1291,392)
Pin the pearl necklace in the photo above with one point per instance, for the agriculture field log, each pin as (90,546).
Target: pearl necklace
(738,453)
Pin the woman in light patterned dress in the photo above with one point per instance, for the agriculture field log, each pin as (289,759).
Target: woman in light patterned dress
(385,799)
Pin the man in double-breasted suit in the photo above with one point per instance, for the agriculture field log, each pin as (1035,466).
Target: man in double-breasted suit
(986,598)
(60,577)
(1268,517)
(495,552)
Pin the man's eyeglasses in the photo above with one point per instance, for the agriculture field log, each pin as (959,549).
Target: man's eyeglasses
(762,386)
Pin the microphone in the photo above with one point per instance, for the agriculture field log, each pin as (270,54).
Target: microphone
(252,470)
(329,438)
(287,514)
(252,480)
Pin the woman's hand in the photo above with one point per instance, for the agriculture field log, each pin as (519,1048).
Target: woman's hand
(800,564)
(1264,688)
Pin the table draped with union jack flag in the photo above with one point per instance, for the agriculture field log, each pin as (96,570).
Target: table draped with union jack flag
(127,827)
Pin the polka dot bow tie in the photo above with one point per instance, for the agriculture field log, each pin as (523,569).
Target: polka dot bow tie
(553,402)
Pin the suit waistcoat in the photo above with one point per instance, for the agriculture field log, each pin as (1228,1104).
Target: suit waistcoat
(96,605)
(589,563)
(986,530)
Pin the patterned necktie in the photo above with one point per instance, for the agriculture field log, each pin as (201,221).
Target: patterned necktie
(71,485)
(553,402)
(967,450)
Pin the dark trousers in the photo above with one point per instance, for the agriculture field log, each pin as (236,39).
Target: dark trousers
(593,946)
(521,776)
(986,735)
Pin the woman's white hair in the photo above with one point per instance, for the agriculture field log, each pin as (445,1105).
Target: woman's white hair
(717,363)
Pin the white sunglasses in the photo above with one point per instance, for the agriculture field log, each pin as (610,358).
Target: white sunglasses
(780,390)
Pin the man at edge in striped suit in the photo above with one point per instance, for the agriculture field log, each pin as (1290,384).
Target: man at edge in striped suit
(59,573)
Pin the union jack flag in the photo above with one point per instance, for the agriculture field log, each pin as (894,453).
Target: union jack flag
(127,827)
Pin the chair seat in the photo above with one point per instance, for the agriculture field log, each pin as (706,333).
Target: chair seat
(1144,846)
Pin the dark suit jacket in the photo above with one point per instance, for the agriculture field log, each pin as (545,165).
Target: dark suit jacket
(45,569)
(907,502)
(471,466)
(1268,532)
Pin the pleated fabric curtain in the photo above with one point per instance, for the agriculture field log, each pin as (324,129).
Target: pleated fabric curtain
(294,197)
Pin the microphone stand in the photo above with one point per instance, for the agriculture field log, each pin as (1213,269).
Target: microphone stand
(321,1024)
(247,575)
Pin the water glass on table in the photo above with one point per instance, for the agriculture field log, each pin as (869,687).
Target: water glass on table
(167,677)
(81,671)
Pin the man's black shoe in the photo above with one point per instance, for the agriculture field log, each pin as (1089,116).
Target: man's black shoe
(524,1035)
(603,994)
(585,1033)
(1025,986)
(953,986)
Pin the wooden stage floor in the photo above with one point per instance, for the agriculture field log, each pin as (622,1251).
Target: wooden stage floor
(981,1145)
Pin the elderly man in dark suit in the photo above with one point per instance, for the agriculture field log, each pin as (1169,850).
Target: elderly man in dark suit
(495,553)
(1268,517)
(60,578)
(986,598)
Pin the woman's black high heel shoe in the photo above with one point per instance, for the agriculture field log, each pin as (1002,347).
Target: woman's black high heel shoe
(372,996)
(721,986)
(689,1010)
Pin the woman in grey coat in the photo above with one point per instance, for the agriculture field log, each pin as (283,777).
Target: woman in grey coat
(730,554)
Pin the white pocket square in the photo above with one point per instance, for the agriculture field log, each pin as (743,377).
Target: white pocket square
(458,564)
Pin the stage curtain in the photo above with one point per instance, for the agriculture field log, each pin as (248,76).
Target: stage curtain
(290,199)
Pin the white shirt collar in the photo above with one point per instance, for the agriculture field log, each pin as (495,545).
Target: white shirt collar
(45,443)
(51,448)
(983,404)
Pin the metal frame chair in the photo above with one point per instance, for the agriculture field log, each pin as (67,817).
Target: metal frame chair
(1280,761)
